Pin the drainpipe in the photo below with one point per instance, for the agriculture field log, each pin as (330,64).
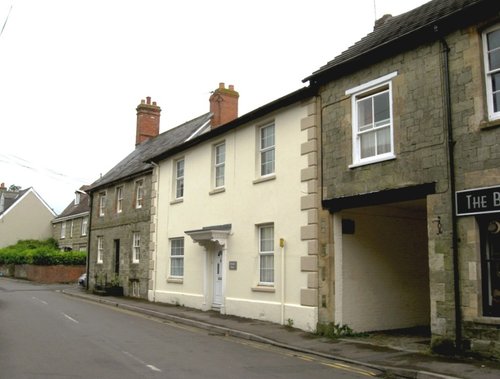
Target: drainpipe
(282,246)
(451,162)
(89,227)
(155,266)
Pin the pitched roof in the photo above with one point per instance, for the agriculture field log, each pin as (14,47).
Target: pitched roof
(11,199)
(427,22)
(134,164)
(73,209)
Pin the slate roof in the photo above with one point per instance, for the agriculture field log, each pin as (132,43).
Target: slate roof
(406,30)
(82,207)
(10,198)
(135,163)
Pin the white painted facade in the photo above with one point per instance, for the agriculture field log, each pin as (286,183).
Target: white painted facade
(221,264)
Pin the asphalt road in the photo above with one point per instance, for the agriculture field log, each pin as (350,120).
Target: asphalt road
(46,334)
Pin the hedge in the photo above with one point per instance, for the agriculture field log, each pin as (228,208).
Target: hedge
(42,253)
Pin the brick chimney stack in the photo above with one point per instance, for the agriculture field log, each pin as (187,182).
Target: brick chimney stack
(223,105)
(148,121)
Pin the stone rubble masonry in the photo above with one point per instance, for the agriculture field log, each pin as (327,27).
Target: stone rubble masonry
(421,149)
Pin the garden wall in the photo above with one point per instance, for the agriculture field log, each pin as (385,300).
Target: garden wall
(44,274)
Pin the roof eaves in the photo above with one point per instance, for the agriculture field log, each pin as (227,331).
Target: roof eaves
(421,34)
(281,102)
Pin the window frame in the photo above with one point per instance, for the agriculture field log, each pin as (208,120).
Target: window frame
(139,193)
(63,229)
(85,222)
(102,204)
(177,257)
(100,250)
(119,199)
(362,92)
(179,183)
(264,254)
(71,229)
(266,149)
(219,165)
(136,247)
(488,74)
(490,285)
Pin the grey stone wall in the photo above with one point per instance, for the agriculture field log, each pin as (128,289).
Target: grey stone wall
(421,149)
(121,226)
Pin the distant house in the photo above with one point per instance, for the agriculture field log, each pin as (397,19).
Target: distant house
(411,176)
(70,228)
(120,202)
(23,215)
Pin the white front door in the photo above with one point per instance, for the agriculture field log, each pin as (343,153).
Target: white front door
(217,298)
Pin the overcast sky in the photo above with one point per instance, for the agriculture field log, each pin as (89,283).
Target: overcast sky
(73,72)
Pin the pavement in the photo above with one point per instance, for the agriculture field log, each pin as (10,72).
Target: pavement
(400,356)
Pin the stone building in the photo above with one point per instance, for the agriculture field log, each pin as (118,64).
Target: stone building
(70,228)
(121,208)
(410,176)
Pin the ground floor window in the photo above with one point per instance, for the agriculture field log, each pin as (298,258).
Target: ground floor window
(490,262)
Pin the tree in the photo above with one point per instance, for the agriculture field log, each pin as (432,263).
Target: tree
(14,188)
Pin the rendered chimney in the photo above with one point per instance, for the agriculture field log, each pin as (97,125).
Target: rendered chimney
(148,121)
(223,105)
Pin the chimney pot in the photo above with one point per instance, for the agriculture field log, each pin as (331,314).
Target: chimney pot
(221,85)
(148,100)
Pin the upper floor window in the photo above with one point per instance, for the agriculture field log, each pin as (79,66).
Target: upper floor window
(372,121)
(139,193)
(219,165)
(136,247)
(63,229)
(100,249)
(119,199)
(491,48)
(102,203)
(267,148)
(71,229)
(266,254)
(85,222)
(179,179)
(177,257)
(77,198)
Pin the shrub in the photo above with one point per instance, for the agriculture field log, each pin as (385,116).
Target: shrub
(41,253)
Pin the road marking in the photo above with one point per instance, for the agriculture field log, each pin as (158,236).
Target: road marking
(70,318)
(151,367)
(356,370)
(40,300)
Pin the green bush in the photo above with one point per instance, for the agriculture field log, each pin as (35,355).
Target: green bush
(42,253)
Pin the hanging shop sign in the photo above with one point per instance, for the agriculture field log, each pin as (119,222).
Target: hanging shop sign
(478,201)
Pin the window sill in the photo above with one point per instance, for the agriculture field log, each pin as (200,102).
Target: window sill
(217,190)
(490,124)
(264,179)
(175,280)
(176,201)
(135,262)
(261,288)
(373,160)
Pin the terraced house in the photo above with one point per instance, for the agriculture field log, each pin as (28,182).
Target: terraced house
(120,203)
(410,176)
(233,228)
(70,228)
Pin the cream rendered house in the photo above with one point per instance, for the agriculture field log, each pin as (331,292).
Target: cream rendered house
(23,215)
(234,225)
